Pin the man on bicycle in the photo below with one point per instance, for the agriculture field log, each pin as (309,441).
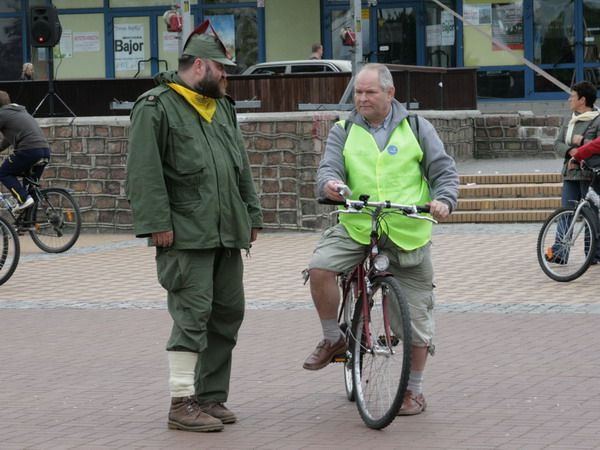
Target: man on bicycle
(30,149)
(376,151)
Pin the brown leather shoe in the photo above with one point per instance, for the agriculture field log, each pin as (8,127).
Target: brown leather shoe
(219,411)
(412,404)
(323,354)
(185,414)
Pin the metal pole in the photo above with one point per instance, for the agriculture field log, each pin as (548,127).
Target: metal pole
(356,50)
(186,22)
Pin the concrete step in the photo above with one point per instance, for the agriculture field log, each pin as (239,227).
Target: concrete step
(497,216)
(519,190)
(476,204)
(518,178)
(497,198)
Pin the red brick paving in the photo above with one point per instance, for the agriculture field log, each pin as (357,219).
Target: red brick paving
(97,379)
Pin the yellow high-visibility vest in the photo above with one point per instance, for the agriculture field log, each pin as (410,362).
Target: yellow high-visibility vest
(393,174)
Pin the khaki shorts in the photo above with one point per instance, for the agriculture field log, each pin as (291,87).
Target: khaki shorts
(337,252)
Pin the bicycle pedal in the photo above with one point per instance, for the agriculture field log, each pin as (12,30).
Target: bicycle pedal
(341,358)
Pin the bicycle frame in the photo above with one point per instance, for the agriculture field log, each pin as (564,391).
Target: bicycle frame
(366,271)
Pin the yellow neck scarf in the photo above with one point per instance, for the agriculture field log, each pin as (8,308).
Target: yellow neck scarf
(205,106)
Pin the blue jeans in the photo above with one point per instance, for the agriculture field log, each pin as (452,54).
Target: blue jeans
(18,164)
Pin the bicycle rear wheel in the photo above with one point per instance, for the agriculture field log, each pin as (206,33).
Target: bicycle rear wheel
(563,255)
(56,221)
(10,250)
(381,356)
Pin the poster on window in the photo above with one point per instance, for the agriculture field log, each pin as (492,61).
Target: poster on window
(129,46)
(507,25)
(224,26)
(478,14)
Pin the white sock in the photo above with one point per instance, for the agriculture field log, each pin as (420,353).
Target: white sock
(182,370)
(415,382)
(331,330)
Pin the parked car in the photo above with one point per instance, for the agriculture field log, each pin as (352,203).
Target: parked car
(299,66)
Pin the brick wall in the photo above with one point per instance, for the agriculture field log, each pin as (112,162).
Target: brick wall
(515,135)
(89,155)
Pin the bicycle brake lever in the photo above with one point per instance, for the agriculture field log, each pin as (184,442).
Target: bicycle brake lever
(416,216)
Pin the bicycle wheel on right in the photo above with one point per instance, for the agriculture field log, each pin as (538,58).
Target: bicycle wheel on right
(10,250)
(56,221)
(566,245)
(381,353)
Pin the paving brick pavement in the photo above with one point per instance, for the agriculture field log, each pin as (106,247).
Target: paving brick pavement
(83,361)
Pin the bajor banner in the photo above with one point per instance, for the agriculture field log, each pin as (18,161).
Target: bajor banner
(129,45)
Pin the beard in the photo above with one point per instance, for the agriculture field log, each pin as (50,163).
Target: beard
(209,86)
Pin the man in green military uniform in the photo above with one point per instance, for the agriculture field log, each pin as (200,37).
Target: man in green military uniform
(191,191)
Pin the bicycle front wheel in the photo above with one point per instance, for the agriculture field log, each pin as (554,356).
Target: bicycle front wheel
(10,251)
(56,221)
(566,244)
(381,353)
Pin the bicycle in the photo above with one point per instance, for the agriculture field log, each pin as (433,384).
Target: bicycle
(566,244)
(10,250)
(375,318)
(53,221)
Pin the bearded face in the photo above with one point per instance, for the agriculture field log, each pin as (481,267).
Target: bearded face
(213,84)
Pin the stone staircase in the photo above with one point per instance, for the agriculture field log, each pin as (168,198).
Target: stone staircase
(524,197)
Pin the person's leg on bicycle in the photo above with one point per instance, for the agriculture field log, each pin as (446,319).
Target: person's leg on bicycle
(414,272)
(36,171)
(15,165)
(336,252)
(570,194)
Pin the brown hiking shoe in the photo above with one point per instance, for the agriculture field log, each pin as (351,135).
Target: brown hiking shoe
(219,411)
(185,414)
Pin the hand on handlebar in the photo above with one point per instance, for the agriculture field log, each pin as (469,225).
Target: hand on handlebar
(336,190)
(574,164)
(437,209)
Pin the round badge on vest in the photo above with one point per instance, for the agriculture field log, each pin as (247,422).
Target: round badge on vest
(392,149)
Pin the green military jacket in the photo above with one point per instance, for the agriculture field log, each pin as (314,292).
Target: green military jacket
(189,175)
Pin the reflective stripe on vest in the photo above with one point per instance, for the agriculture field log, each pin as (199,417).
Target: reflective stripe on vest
(393,174)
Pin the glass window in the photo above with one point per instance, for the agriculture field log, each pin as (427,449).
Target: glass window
(131,45)
(80,53)
(269,70)
(70,4)
(311,68)
(554,32)
(397,35)
(500,84)
(339,20)
(135,3)
(7,6)
(168,46)
(11,48)
(504,22)
(441,37)
(566,76)
(591,30)
(238,29)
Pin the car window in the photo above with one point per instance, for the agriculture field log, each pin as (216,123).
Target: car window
(310,68)
(268,70)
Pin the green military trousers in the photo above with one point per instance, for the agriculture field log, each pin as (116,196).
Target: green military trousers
(206,302)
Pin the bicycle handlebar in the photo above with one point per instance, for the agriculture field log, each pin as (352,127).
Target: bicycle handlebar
(357,204)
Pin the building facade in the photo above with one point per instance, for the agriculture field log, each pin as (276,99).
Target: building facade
(502,38)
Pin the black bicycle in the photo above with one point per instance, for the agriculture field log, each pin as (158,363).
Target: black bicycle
(10,250)
(53,221)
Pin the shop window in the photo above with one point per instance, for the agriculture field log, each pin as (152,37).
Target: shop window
(500,84)
(565,76)
(238,29)
(9,6)
(11,48)
(554,32)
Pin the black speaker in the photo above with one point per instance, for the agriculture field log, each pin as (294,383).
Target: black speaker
(44,26)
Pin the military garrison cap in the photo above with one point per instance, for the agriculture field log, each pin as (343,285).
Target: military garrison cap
(207,46)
